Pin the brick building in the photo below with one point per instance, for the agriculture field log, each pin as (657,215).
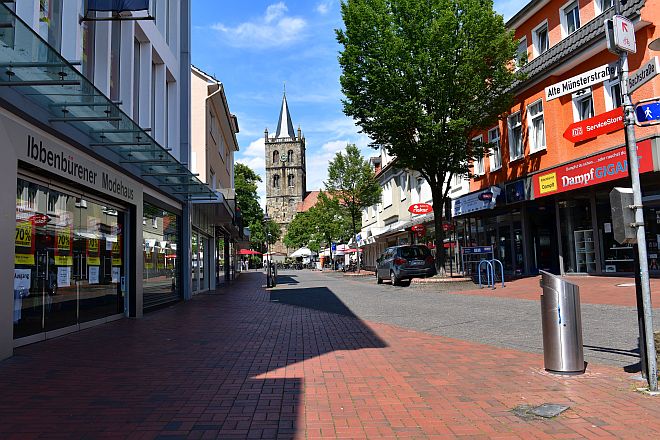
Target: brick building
(550,197)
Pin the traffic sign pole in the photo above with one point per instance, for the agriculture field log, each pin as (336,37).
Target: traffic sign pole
(633,166)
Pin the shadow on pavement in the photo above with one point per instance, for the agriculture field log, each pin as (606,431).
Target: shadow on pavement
(286,279)
(212,367)
(634,353)
(317,298)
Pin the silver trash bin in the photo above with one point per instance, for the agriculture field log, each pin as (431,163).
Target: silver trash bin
(562,325)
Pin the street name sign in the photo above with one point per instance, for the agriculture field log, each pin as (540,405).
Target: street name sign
(644,74)
(648,113)
(581,81)
(593,127)
(624,34)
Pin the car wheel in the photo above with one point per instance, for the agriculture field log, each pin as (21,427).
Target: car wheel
(379,280)
(394,279)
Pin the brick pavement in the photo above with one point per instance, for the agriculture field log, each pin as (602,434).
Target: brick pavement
(236,365)
(593,290)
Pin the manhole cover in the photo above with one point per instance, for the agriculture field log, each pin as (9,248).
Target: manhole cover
(549,410)
(626,285)
(546,411)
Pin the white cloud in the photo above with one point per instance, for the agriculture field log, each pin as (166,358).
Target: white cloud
(318,160)
(253,157)
(273,29)
(323,7)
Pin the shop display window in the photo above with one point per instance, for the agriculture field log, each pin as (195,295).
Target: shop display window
(160,277)
(69,260)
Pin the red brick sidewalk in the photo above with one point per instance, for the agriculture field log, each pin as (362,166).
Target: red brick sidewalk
(593,290)
(235,365)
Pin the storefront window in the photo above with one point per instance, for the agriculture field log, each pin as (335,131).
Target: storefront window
(577,236)
(68,260)
(616,257)
(160,231)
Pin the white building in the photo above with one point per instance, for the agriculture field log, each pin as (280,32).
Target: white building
(103,194)
(389,222)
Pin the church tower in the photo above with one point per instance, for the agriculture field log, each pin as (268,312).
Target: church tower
(286,174)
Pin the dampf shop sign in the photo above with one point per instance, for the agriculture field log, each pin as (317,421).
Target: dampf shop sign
(593,170)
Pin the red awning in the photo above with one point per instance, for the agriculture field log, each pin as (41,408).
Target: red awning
(248,252)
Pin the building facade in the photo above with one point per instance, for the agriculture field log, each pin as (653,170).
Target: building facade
(547,205)
(95,118)
(286,174)
(389,223)
(214,143)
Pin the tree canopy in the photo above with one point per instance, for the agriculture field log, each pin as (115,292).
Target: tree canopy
(420,76)
(245,183)
(352,183)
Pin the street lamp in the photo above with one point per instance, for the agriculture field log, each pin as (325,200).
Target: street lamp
(267,234)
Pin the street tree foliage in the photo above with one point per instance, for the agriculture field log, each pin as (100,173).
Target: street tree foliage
(420,76)
(352,183)
(245,182)
(259,234)
(324,223)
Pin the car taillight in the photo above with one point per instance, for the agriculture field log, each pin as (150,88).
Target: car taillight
(429,259)
(399,261)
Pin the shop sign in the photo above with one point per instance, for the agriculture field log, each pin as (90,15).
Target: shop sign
(581,81)
(39,220)
(63,247)
(420,208)
(485,199)
(420,230)
(93,258)
(447,227)
(24,243)
(593,127)
(478,250)
(593,170)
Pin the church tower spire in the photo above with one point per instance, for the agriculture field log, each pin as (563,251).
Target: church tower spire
(285,125)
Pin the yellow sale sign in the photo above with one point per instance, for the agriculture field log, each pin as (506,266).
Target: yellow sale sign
(24,234)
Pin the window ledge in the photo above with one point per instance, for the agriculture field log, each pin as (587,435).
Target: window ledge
(516,159)
(539,150)
(496,169)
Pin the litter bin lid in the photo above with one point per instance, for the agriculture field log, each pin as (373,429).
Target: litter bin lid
(556,282)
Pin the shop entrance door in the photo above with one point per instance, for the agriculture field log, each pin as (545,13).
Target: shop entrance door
(544,238)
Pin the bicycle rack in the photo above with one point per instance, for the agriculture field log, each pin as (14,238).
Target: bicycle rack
(490,272)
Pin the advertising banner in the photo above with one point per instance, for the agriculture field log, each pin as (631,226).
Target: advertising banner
(24,243)
(93,258)
(593,170)
(63,238)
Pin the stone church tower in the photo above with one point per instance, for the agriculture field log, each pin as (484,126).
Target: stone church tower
(286,174)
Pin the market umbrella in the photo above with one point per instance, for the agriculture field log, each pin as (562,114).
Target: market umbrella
(248,252)
(302,252)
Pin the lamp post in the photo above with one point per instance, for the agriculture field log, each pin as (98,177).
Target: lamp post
(267,234)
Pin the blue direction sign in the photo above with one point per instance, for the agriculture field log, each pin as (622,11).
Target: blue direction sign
(648,113)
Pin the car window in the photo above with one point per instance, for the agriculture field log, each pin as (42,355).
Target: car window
(414,252)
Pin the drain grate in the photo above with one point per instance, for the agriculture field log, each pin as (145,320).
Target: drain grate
(546,411)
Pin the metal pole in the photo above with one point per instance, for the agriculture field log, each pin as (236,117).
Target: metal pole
(633,167)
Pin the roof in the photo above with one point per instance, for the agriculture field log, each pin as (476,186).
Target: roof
(591,33)
(285,125)
(310,200)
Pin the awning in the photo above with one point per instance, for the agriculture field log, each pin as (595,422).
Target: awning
(248,252)
(37,79)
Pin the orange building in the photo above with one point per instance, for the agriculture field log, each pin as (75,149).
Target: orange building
(547,197)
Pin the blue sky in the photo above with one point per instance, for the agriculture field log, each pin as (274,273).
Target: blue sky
(255,46)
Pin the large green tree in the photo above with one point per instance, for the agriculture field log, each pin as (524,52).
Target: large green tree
(245,182)
(420,76)
(352,183)
(324,223)
(260,235)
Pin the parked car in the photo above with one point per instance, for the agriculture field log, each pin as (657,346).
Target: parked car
(399,263)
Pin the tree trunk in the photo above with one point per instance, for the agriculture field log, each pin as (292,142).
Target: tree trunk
(438,207)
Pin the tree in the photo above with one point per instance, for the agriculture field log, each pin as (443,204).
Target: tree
(353,184)
(245,182)
(324,223)
(259,236)
(420,76)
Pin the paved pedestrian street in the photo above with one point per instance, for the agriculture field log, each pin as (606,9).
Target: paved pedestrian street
(298,362)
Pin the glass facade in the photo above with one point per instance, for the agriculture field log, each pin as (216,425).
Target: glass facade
(161,233)
(69,260)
